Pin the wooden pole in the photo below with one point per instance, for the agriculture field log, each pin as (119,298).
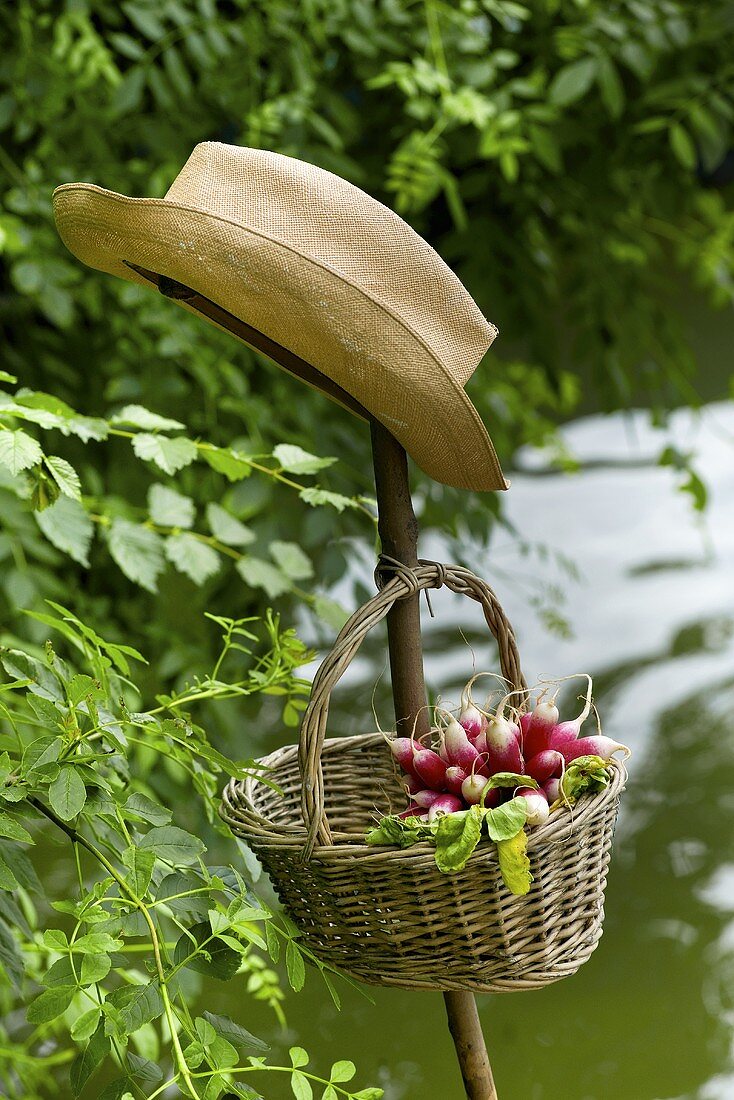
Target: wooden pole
(398,529)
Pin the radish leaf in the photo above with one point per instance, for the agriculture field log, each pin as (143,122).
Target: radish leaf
(514,862)
(456,838)
(504,822)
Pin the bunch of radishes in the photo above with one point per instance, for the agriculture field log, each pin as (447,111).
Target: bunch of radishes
(526,751)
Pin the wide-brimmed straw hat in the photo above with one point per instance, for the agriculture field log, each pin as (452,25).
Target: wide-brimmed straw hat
(304,266)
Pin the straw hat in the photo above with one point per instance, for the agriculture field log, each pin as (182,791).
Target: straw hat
(317,274)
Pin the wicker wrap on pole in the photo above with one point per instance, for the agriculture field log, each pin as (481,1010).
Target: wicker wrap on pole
(389,916)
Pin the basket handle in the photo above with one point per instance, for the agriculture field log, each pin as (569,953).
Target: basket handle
(405,583)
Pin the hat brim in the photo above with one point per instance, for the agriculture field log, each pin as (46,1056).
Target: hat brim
(301,304)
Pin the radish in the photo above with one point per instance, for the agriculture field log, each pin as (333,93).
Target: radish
(455,776)
(459,748)
(563,732)
(412,784)
(404,750)
(425,799)
(429,766)
(502,744)
(413,811)
(552,788)
(545,764)
(475,786)
(599,745)
(538,727)
(471,718)
(445,804)
(524,724)
(537,801)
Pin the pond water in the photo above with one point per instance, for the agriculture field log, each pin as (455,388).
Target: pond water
(651,1015)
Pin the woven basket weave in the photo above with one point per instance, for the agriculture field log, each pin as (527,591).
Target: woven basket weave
(390,917)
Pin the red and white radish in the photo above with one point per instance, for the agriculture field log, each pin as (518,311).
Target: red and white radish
(425,799)
(552,788)
(429,766)
(563,732)
(459,748)
(404,750)
(538,726)
(414,811)
(544,765)
(599,745)
(538,808)
(471,718)
(455,776)
(445,804)
(502,744)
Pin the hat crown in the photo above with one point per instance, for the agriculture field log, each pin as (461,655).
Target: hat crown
(334,223)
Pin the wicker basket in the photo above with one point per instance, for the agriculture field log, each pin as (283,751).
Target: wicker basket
(388,916)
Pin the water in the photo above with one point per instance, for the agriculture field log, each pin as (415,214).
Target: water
(651,1015)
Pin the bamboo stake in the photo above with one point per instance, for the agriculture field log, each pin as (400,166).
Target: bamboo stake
(398,529)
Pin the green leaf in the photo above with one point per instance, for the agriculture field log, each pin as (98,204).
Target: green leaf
(8,881)
(514,863)
(682,145)
(207,954)
(298,1057)
(86,1064)
(295,966)
(232,464)
(456,838)
(136,1005)
(297,461)
(192,557)
(261,574)
(372,1093)
(94,942)
(85,1025)
(67,794)
(51,1004)
(13,829)
(143,1070)
(504,822)
(586,774)
(179,882)
(65,476)
(55,939)
(138,417)
(169,508)
(67,527)
(11,959)
(342,1071)
(138,551)
(140,863)
(572,82)
(227,528)
(172,844)
(330,612)
(235,1034)
(316,497)
(610,86)
(511,779)
(170,455)
(139,805)
(291,560)
(301,1086)
(95,968)
(22,666)
(18,450)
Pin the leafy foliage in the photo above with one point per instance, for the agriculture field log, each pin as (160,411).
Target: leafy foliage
(111,966)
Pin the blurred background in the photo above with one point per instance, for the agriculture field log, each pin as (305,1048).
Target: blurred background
(573,162)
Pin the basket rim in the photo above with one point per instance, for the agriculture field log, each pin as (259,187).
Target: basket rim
(250,822)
